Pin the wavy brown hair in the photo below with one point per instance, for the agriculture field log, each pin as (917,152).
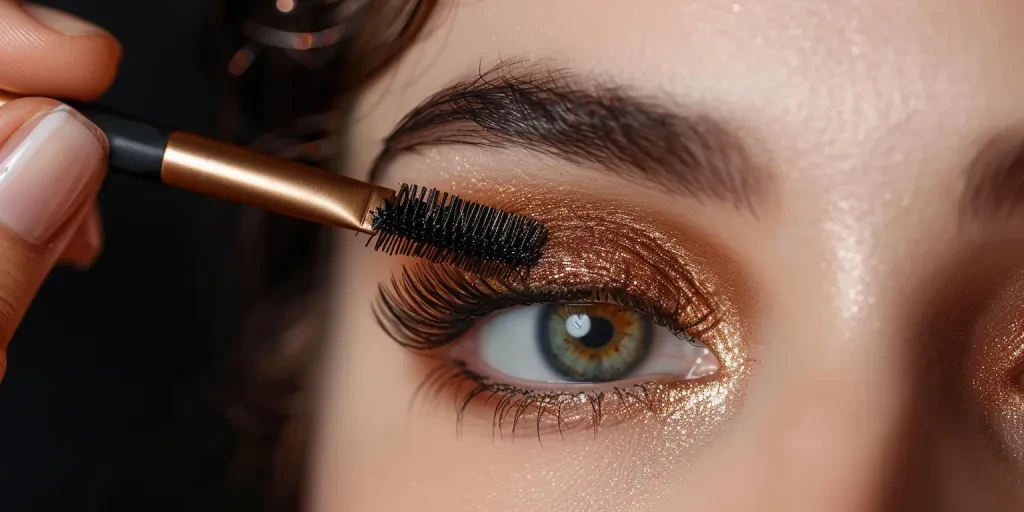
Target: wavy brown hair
(266,393)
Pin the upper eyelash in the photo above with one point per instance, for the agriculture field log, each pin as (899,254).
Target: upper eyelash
(430,306)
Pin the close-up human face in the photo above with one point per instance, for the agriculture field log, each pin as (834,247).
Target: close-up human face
(784,270)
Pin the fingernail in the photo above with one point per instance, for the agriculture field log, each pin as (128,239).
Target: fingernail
(61,21)
(46,168)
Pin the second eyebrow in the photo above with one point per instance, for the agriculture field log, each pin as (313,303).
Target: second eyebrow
(604,127)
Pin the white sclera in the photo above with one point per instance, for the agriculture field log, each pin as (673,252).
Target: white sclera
(508,345)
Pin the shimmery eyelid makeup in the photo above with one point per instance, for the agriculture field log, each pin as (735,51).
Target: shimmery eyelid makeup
(997,363)
(619,245)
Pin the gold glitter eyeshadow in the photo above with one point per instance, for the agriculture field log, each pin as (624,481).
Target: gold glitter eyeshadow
(996,366)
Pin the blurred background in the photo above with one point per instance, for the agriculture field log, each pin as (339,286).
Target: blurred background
(115,397)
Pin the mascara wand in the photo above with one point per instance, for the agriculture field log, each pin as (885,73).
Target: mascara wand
(448,229)
(413,221)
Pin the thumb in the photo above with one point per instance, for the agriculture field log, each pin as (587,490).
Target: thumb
(48,52)
(51,163)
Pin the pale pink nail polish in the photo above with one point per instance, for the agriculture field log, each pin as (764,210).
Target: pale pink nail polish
(46,168)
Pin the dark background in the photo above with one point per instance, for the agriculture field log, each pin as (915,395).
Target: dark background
(106,404)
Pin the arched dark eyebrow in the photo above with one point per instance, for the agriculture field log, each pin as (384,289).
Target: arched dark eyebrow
(599,126)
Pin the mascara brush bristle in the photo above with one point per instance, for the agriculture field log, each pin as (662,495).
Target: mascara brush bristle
(443,228)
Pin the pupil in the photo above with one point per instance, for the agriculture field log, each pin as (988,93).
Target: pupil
(600,334)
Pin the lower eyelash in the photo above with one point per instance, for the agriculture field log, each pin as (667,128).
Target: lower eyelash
(547,410)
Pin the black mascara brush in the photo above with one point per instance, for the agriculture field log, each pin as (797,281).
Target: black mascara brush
(413,221)
(447,229)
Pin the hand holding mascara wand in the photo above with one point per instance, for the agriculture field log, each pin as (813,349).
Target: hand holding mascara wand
(53,158)
(411,221)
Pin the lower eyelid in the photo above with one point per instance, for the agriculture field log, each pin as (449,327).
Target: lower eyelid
(509,412)
(579,387)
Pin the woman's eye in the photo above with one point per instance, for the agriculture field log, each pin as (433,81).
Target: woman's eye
(581,343)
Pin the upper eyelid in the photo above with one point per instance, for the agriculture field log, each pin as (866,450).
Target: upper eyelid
(600,242)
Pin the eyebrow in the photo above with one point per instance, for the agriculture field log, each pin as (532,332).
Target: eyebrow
(600,126)
(995,179)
